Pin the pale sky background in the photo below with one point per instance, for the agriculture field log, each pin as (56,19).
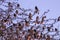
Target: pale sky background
(43,5)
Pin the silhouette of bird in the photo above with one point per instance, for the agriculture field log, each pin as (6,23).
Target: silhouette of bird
(36,10)
(18,5)
(30,16)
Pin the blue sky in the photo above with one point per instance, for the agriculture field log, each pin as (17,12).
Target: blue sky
(43,5)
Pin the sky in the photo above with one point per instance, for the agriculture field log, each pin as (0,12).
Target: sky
(43,5)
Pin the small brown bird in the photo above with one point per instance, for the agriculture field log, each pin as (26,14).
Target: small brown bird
(26,23)
(10,7)
(43,19)
(56,29)
(9,3)
(16,11)
(48,37)
(30,16)
(48,28)
(5,20)
(20,26)
(29,37)
(14,15)
(36,10)
(37,17)
(37,20)
(18,5)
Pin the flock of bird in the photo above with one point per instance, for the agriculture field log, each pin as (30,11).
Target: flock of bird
(24,21)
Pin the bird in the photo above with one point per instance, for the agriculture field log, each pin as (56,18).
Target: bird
(9,3)
(18,5)
(43,19)
(37,20)
(36,10)
(30,16)
(16,11)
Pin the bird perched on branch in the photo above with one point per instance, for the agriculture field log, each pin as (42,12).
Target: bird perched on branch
(9,3)
(10,7)
(26,23)
(36,10)
(30,16)
(37,20)
(16,11)
(18,5)
(43,19)
(48,37)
